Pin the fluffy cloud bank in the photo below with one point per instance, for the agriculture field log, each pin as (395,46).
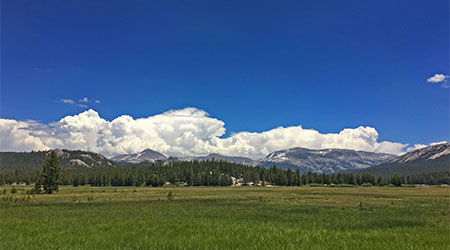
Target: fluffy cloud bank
(185,132)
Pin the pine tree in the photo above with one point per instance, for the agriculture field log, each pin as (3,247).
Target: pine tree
(75,182)
(289,176)
(50,176)
(396,180)
(191,177)
(380,181)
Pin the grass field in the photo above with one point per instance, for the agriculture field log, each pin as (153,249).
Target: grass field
(227,218)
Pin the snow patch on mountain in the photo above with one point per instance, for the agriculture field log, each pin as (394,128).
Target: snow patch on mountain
(147,155)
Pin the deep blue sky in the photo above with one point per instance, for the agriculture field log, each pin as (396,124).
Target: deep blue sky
(256,65)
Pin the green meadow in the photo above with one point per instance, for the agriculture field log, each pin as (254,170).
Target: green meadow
(226,218)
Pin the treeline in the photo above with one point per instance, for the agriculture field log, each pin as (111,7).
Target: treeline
(213,173)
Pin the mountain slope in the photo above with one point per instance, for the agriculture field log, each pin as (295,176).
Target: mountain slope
(147,155)
(324,160)
(425,160)
(218,157)
(67,159)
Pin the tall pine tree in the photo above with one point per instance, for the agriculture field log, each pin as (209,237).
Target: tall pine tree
(50,176)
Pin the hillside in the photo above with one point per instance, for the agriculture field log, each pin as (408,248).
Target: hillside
(324,160)
(425,160)
(67,158)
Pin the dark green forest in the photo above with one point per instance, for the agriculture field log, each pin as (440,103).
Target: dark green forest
(212,173)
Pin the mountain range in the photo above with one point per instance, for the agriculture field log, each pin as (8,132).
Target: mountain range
(319,161)
(323,160)
(151,156)
(435,158)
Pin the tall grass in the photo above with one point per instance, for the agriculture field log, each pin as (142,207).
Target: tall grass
(228,218)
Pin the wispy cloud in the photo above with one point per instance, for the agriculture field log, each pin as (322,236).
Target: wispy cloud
(84,100)
(81,103)
(67,101)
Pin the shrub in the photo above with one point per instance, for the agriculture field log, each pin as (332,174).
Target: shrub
(363,207)
(367,184)
(170,196)
(13,190)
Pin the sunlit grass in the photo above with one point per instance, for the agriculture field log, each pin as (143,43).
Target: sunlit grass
(227,218)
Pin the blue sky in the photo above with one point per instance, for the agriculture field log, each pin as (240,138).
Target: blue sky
(256,65)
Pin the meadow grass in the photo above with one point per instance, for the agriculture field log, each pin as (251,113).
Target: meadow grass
(227,218)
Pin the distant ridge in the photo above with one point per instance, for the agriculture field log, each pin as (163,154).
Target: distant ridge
(151,156)
(318,161)
(219,157)
(67,159)
(431,159)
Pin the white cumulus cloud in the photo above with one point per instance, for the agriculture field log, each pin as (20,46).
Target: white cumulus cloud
(439,78)
(17,136)
(184,132)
